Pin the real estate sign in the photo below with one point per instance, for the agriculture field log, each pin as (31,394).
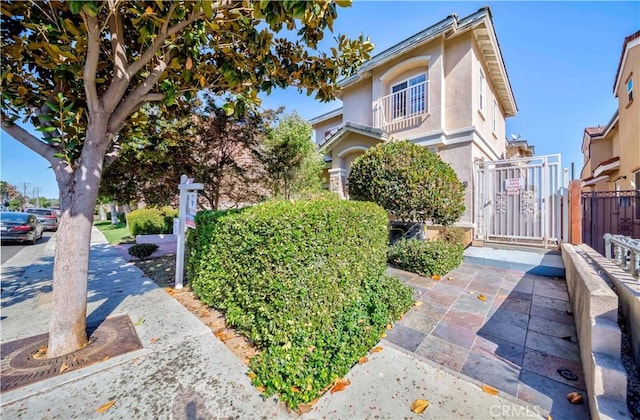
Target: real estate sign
(192,204)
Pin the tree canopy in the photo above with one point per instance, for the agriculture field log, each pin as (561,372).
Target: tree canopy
(409,181)
(210,146)
(290,159)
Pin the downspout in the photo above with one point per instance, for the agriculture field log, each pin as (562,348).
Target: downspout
(443,90)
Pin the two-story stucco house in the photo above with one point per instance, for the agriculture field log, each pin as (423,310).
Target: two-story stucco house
(445,88)
(612,152)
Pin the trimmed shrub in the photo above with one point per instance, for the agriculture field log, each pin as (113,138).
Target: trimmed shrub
(304,281)
(425,257)
(409,181)
(142,251)
(168,214)
(146,221)
(151,221)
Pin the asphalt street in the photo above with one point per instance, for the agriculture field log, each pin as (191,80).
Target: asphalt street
(23,252)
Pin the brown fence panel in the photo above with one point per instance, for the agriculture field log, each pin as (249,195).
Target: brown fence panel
(615,212)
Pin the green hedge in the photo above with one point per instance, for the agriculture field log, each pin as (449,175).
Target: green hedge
(151,221)
(425,257)
(305,281)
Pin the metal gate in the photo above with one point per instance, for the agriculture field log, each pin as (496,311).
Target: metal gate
(518,201)
(614,212)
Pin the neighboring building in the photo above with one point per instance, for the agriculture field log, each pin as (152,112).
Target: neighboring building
(612,152)
(445,88)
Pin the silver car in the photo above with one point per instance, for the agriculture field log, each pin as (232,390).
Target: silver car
(48,217)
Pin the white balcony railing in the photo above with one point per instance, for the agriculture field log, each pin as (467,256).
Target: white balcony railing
(626,252)
(401,106)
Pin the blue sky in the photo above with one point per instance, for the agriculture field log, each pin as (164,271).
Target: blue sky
(561,58)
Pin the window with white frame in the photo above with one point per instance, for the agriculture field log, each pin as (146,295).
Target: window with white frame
(481,88)
(409,97)
(630,90)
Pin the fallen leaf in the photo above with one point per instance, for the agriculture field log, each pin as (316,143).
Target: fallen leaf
(339,385)
(549,417)
(376,349)
(489,389)
(105,358)
(251,375)
(304,408)
(105,407)
(575,398)
(294,389)
(451,278)
(153,340)
(41,353)
(260,388)
(418,406)
(139,322)
(435,277)
(418,303)
(63,368)
(389,326)
(482,298)
(223,335)
(363,359)
(149,11)
(383,335)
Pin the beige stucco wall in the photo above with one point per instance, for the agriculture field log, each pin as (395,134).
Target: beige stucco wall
(629,140)
(459,156)
(356,103)
(457,74)
(352,143)
(321,128)
(483,119)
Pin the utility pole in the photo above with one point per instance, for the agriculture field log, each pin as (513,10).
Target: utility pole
(36,194)
(24,194)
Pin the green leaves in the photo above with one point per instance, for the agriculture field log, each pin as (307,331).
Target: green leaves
(304,281)
(409,181)
(426,258)
(229,47)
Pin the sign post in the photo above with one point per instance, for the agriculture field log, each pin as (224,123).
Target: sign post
(186,214)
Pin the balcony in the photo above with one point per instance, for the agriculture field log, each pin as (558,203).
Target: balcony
(402,109)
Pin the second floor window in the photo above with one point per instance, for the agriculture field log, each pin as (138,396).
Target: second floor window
(409,97)
(630,90)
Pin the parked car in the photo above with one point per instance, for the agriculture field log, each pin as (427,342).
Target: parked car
(20,227)
(48,217)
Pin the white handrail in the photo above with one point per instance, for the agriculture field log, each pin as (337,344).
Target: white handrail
(401,105)
(626,252)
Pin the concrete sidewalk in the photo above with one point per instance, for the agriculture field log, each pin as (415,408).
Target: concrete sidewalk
(184,372)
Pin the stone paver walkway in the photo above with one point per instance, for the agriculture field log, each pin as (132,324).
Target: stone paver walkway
(505,328)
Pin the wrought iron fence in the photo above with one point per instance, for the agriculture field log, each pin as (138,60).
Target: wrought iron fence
(614,212)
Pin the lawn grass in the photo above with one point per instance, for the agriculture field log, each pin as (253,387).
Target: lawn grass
(115,234)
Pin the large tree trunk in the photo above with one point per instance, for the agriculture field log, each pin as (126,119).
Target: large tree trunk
(78,194)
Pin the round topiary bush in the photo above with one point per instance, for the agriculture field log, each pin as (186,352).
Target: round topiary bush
(410,182)
(142,251)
